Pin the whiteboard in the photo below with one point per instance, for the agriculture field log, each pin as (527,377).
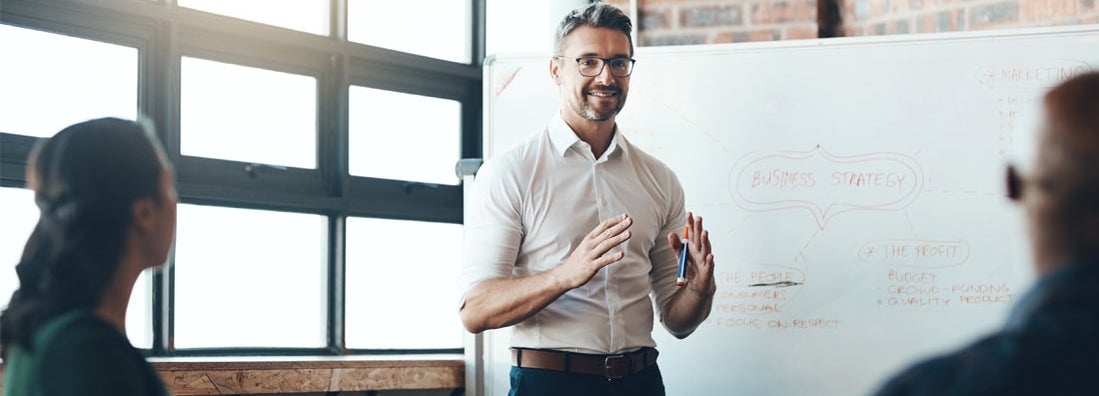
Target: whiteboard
(853,188)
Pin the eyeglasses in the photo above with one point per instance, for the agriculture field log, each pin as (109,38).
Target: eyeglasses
(591,66)
(1014,184)
(1018,184)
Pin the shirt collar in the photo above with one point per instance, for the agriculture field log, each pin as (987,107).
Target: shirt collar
(563,137)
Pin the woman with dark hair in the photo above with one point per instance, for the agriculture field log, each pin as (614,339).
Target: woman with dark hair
(107,212)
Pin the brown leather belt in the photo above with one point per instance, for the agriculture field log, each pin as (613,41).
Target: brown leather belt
(611,367)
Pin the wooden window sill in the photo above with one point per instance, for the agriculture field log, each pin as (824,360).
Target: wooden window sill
(296,374)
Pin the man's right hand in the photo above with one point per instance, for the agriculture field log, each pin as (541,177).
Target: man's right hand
(501,302)
(591,255)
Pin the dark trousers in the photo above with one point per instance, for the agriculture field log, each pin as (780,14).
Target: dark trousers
(539,382)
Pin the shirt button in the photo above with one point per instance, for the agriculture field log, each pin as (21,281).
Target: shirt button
(604,202)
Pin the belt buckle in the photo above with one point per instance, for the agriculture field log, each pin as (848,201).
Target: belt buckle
(608,361)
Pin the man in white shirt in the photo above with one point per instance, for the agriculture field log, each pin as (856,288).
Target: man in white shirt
(572,236)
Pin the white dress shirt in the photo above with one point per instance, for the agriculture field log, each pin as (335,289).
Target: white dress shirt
(532,205)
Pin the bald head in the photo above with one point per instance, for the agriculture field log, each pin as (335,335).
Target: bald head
(1072,111)
(1062,194)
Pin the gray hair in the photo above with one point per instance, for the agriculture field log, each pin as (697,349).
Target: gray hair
(598,15)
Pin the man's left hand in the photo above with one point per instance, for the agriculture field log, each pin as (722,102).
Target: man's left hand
(700,271)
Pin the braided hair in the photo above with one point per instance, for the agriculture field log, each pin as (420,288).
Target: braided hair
(86,179)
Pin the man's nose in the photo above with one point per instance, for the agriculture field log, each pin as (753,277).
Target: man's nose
(605,77)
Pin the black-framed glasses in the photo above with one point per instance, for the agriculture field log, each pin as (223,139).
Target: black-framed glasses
(1019,183)
(591,66)
(1014,184)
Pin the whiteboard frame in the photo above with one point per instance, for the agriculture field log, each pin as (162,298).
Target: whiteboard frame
(834,41)
(480,359)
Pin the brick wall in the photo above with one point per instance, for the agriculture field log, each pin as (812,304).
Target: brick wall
(679,22)
(877,17)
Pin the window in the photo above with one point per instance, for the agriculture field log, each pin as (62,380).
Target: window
(435,28)
(48,81)
(310,16)
(139,322)
(259,265)
(404,137)
(410,266)
(18,216)
(247,114)
(249,278)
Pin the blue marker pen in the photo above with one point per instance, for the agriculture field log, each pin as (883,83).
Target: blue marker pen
(681,278)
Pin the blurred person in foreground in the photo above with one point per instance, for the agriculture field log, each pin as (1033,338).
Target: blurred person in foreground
(107,206)
(1050,344)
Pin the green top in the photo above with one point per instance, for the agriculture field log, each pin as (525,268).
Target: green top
(78,353)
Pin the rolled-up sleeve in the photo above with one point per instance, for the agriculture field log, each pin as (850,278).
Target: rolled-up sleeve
(493,226)
(665,261)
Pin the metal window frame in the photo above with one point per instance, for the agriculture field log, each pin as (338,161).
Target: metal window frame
(163,33)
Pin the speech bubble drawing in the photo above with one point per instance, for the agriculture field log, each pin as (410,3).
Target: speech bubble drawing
(915,253)
(1031,76)
(824,184)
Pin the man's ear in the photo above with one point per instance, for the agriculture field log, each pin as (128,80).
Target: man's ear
(143,215)
(555,70)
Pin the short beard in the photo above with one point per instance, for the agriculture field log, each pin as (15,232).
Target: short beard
(585,110)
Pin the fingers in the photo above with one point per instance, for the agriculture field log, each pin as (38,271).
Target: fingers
(608,234)
(591,255)
(702,277)
(695,223)
(607,224)
(618,227)
(674,242)
(707,269)
(697,236)
(691,230)
(608,259)
(707,264)
(606,244)
(706,242)
(702,244)
(699,239)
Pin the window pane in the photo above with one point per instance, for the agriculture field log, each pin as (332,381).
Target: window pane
(18,216)
(404,137)
(139,319)
(249,278)
(248,114)
(46,84)
(380,271)
(436,28)
(309,16)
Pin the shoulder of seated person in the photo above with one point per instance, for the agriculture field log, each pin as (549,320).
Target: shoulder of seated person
(84,332)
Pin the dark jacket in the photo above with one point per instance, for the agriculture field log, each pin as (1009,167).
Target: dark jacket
(1049,346)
